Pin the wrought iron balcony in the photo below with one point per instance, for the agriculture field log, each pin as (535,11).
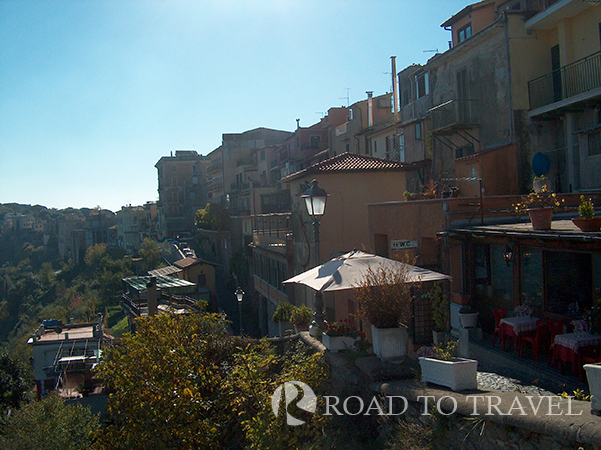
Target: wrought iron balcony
(455,114)
(577,78)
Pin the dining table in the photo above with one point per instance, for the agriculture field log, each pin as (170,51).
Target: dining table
(514,326)
(566,347)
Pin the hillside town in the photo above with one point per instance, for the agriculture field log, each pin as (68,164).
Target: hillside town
(444,173)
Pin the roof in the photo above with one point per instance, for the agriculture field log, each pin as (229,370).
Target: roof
(465,11)
(187,262)
(164,271)
(560,229)
(163,282)
(348,162)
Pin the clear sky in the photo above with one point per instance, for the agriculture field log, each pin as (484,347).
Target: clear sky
(94,92)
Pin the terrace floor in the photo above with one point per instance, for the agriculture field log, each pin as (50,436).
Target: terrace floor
(525,369)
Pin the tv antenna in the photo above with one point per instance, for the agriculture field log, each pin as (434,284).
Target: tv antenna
(348,105)
(435,50)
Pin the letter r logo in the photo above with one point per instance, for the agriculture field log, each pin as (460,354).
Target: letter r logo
(308,401)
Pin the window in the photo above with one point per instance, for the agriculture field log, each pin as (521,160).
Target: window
(422,85)
(418,131)
(464,33)
(262,155)
(315,140)
(466,150)
(594,143)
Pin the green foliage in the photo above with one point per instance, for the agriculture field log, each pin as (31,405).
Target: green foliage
(13,383)
(440,308)
(151,255)
(446,351)
(384,295)
(182,381)
(49,424)
(586,209)
(212,217)
(578,394)
(283,312)
(301,315)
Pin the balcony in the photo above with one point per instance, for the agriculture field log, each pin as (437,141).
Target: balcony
(575,82)
(214,167)
(454,114)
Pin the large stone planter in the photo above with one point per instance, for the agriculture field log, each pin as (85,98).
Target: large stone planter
(541,218)
(458,375)
(337,343)
(390,343)
(593,375)
(468,320)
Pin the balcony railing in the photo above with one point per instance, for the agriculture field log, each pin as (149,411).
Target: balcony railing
(568,81)
(455,113)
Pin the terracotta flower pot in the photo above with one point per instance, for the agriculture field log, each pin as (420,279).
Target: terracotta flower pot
(593,224)
(541,218)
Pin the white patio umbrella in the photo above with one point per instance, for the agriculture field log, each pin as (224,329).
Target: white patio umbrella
(346,271)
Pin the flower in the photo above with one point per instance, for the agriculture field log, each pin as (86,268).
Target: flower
(343,328)
(543,199)
(523,310)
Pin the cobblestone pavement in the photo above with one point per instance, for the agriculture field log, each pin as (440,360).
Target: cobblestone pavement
(498,382)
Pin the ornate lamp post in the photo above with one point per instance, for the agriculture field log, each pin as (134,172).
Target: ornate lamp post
(239,294)
(315,199)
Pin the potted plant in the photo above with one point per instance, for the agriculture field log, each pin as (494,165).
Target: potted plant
(384,296)
(523,310)
(539,206)
(340,336)
(440,366)
(468,317)
(440,314)
(538,183)
(300,316)
(281,316)
(454,191)
(593,319)
(407,195)
(587,220)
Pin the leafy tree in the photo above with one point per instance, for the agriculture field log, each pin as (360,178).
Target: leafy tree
(94,255)
(212,217)
(49,424)
(151,254)
(13,383)
(183,381)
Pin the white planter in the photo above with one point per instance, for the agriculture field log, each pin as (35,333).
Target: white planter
(458,375)
(390,343)
(593,374)
(469,320)
(337,343)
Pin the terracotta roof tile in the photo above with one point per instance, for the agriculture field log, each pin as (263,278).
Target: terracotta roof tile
(348,162)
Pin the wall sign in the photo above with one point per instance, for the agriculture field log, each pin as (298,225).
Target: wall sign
(399,245)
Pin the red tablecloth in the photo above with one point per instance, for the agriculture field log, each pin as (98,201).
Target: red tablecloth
(566,347)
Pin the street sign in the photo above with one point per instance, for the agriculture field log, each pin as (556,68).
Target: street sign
(399,245)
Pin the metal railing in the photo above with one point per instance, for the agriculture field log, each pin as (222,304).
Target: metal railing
(455,113)
(566,82)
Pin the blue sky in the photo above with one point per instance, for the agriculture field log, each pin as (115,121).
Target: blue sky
(94,92)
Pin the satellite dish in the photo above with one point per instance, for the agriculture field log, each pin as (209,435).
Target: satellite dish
(541,164)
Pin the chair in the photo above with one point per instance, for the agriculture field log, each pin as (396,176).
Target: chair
(499,314)
(536,338)
(508,332)
(588,355)
(555,328)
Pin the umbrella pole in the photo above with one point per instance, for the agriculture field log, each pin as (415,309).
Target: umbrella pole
(318,315)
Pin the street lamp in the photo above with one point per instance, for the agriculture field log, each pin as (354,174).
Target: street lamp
(315,199)
(239,294)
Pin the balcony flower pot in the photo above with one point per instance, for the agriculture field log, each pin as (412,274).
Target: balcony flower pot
(588,225)
(458,374)
(541,218)
(336,343)
(593,374)
(390,343)
(468,318)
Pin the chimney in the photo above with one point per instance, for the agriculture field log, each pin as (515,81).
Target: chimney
(151,293)
(370,108)
(395,90)
(99,325)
